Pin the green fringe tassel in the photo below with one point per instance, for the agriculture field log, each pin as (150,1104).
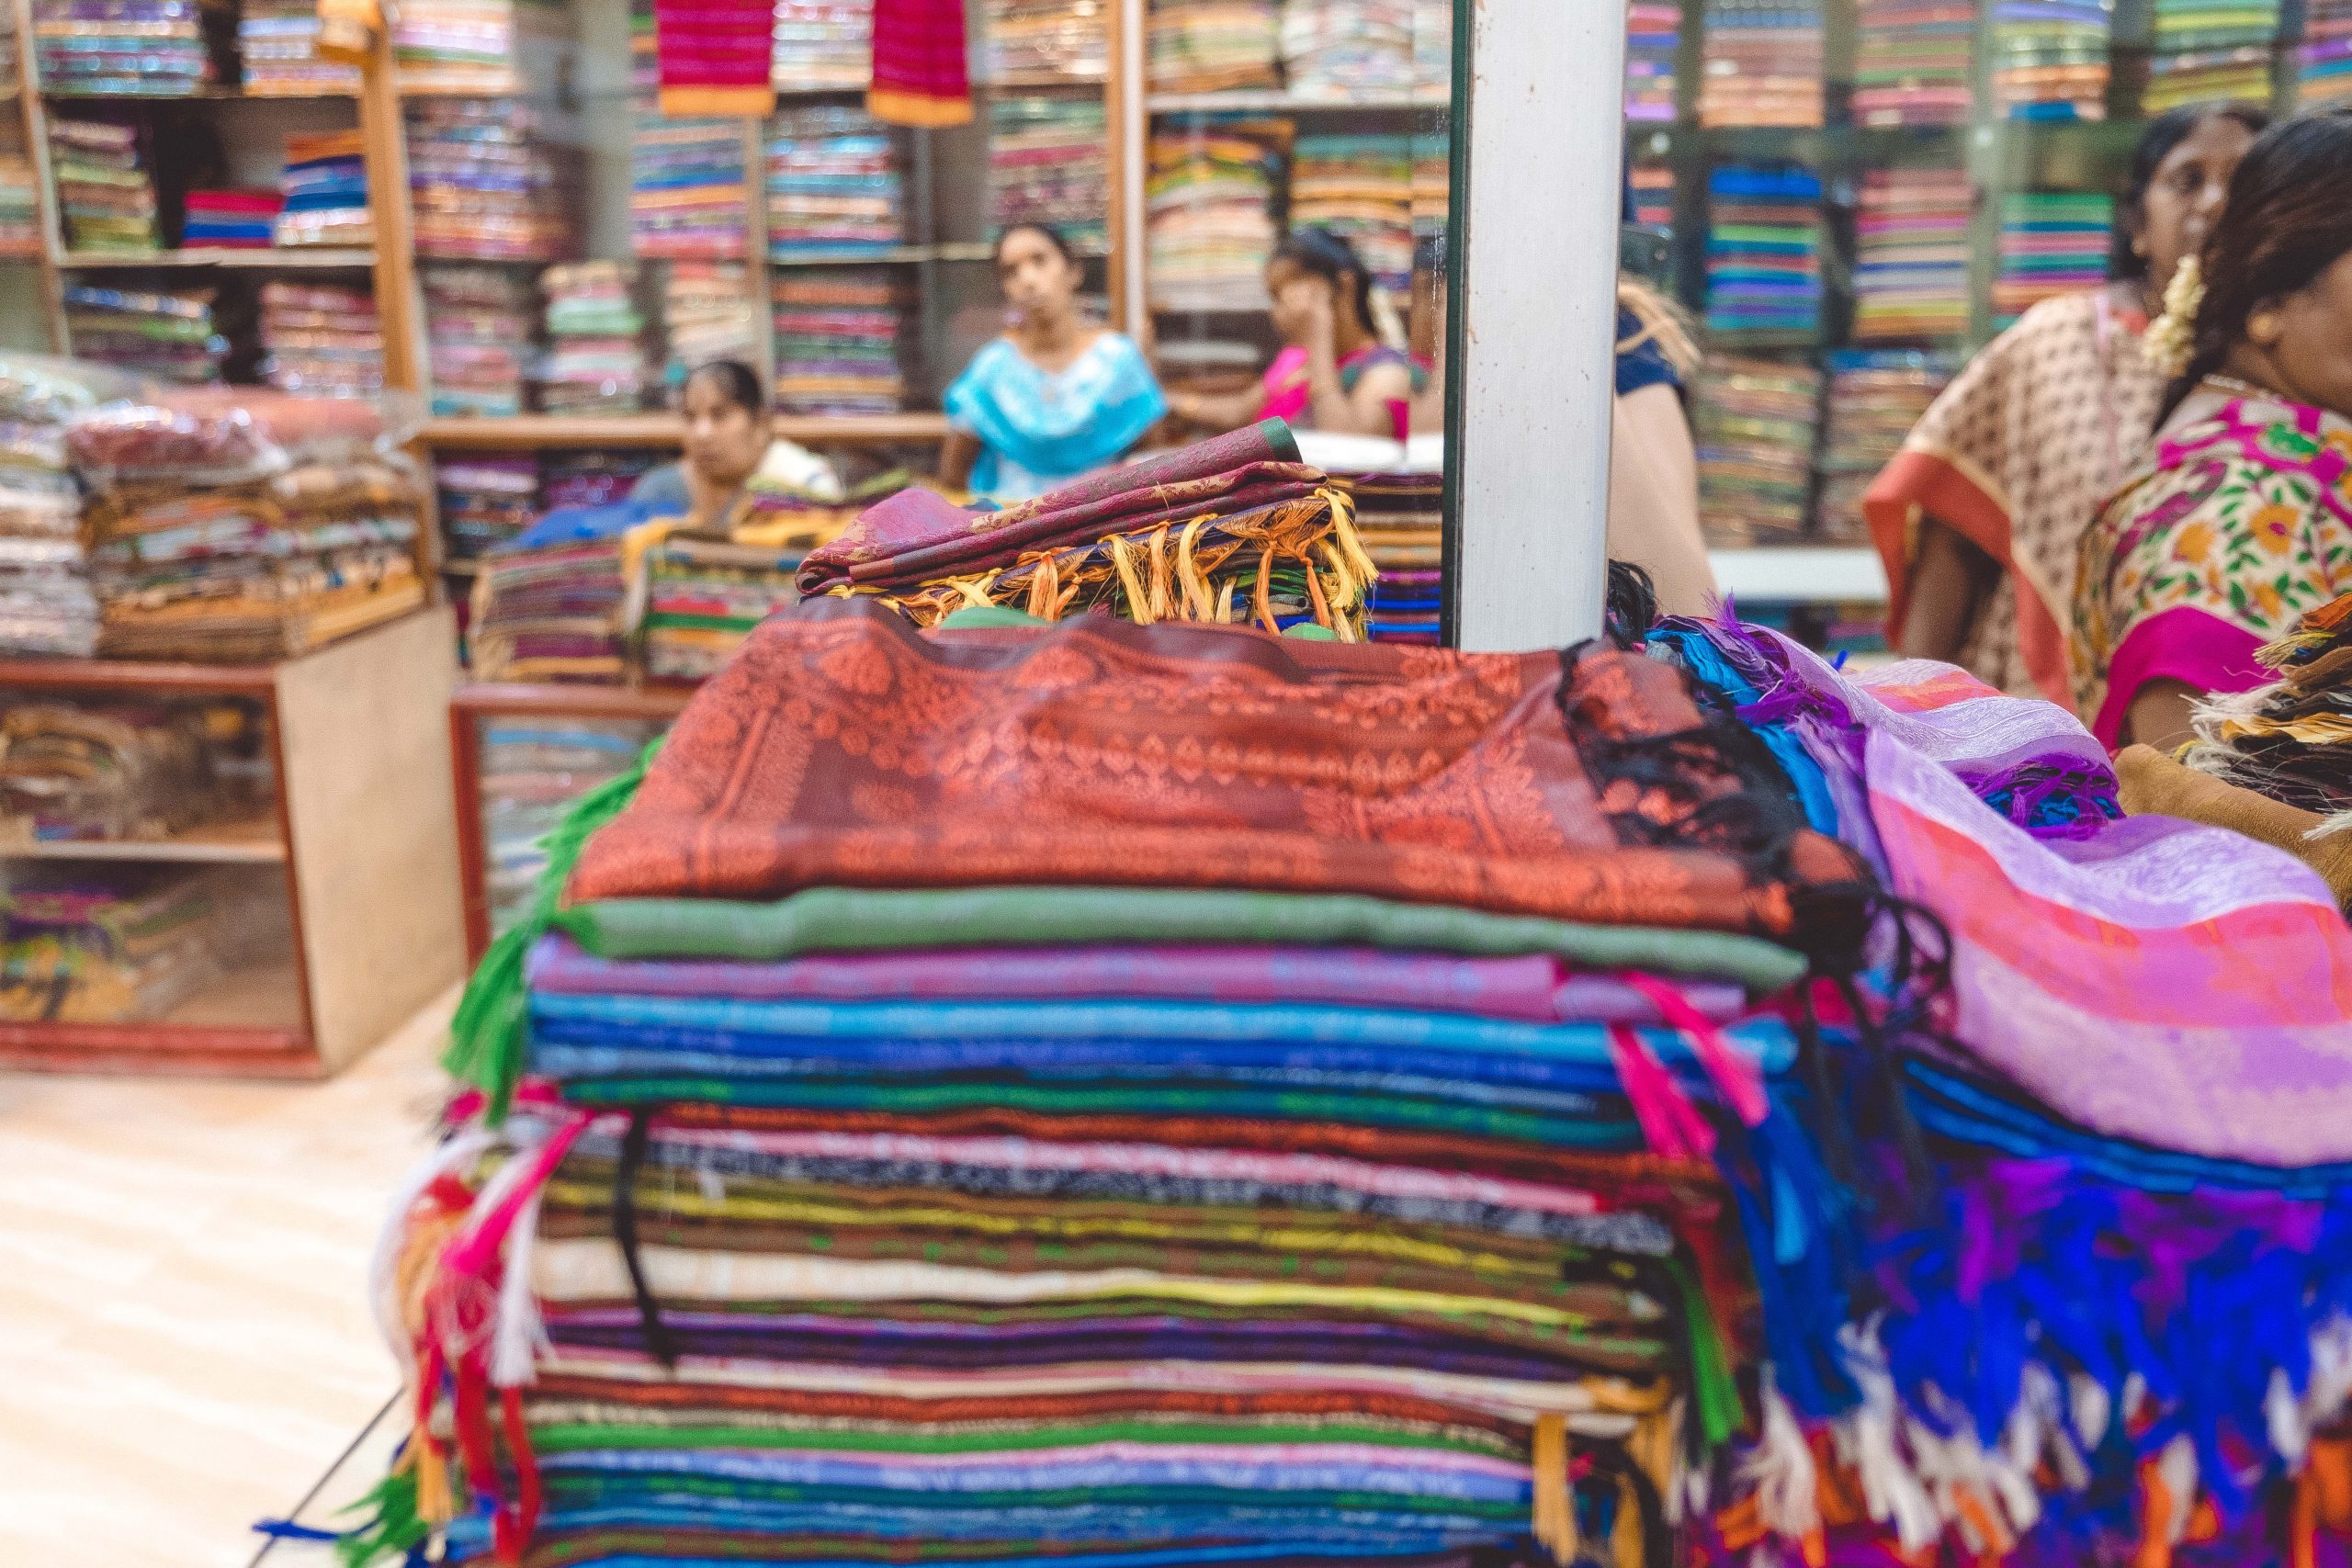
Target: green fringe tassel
(1715,1391)
(394,1530)
(486,1036)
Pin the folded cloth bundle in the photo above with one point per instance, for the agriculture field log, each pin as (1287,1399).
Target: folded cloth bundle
(47,605)
(550,605)
(221,435)
(2156,786)
(84,948)
(2290,740)
(1400,518)
(84,770)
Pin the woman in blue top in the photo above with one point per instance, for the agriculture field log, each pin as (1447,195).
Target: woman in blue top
(1057,396)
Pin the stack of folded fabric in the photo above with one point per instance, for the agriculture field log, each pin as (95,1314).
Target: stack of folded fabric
(823,46)
(1911,255)
(595,357)
(476,326)
(1652,184)
(47,605)
(326,191)
(115,48)
(485,185)
(1210,198)
(278,43)
(1875,398)
(483,48)
(1068,1160)
(166,335)
(81,770)
(1334,51)
(105,195)
(1764,253)
(549,604)
(590,479)
(1762,64)
(1360,187)
(1400,518)
(1032,40)
(1215,46)
(20,235)
(708,312)
(2290,740)
(837,336)
(1236,529)
(835,184)
(1757,421)
(321,340)
(2325,76)
(687,192)
(230,219)
(1652,53)
(484,499)
(2052,242)
(2051,58)
(1915,62)
(531,770)
(126,946)
(1048,162)
(2210,50)
(242,526)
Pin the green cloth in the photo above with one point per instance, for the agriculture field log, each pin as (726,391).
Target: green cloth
(972,615)
(849,919)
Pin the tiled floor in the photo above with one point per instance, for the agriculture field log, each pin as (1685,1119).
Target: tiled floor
(185,1344)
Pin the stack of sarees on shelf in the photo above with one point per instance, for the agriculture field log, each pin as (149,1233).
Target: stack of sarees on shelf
(1360,187)
(1653,54)
(531,769)
(325,186)
(477,327)
(1213,46)
(321,340)
(550,605)
(1764,240)
(1653,187)
(117,945)
(688,198)
(106,193)
(1911,255)
(20,233)
(1400,518)
(1875,398)
(2051,58)
(595,354)
(230,219)
(47,603)
(2325,74)
(2052,242)
(80,768)
(1757,421)
(1049,162)
(823,46)
(837,339)
(234,525)
(1915,62)
(485,185)
(164,333)
(1052,39)
(835,184)
(490,48)
(1762,64)
(485,499)
(1210,220)
(1334,51)
(708,312)
(1233,530)
(2211,51)
(117,49)
(278,44)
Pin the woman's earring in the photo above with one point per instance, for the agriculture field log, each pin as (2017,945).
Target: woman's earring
(2264,328)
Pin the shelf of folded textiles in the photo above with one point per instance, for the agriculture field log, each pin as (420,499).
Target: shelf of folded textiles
(1041,81)
(248,1021)
(1275,101)
(853,256)
(248,842)
(262,258)
(514,432)
(1800,574)
(215,93)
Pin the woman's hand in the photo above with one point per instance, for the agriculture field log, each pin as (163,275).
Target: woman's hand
(1309,298)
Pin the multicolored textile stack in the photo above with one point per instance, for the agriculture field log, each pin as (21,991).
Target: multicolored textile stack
(708,312)
(595,357)
(1757,421)
(1915,62)
(1048,162)
(20,235)
(114,48)
(592,479)
(325,186)
(485,500)
(1360,187)
(532,769)
(823,46)
(485,48)
(1764,253)
(477,325)
(1875,398)
(1058,40)
(1210,196)
(278,44)
(117,946)
(550,605)
(236,526)
(1215,46)
(2052,242)
(47,605)
(2290,740)
(1653,186)
(318,340)
(1761,64)
(1911,255)
(836,184)
(105,195)
(1235,529)
(1337,50)
(837,336)
(1400,519)
(485,183)
(2210,52)
(2324,75)
(1653,55)
(1266,1185)
(230,219)
(81,769)
(166,335)
(2050,58)
(687,194)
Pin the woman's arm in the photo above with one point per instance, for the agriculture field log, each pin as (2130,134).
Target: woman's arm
(1220,411)
(2160,715)
(956,456)
(1654,499)
(1950,579)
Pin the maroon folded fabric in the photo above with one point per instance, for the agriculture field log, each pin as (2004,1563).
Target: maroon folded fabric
(916,535)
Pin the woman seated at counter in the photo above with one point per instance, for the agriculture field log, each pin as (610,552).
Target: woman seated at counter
(727,433)
(1339,370)
(1057,396)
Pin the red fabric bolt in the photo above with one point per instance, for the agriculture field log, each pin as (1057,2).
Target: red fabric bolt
(921,74)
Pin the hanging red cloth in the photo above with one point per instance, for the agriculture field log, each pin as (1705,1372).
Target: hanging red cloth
(921,74)
(716,57)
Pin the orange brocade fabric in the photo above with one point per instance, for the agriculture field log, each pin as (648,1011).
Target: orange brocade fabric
(843,747)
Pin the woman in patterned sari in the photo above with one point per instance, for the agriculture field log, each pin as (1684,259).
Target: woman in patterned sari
(2241,518)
